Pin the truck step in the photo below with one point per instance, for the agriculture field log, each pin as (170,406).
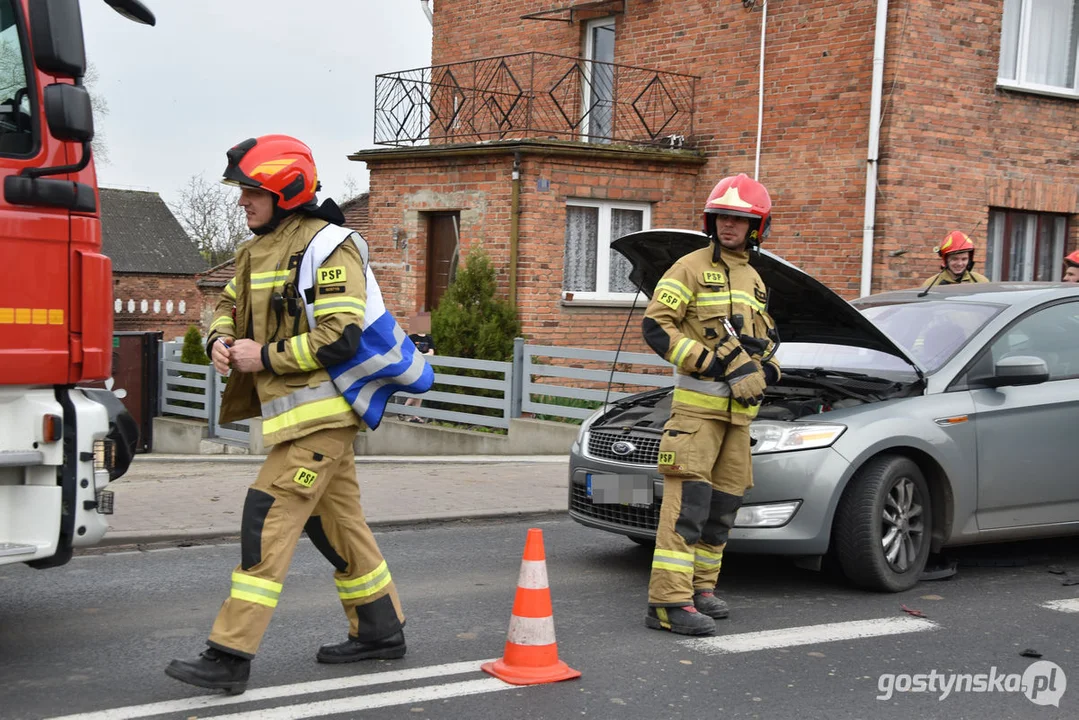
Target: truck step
(10,549)
(21,458)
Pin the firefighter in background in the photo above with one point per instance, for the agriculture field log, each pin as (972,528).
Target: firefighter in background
(1071,267)
(956,262)
(708,317)
(308,482)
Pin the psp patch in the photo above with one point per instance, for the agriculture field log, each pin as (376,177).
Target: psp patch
(713,277)
(305,477)
(331,275)
(669,299)
(666,458)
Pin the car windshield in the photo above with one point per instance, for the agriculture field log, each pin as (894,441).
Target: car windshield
(931,332)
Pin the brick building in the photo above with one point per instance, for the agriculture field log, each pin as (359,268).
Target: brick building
(154,264)
(614,115)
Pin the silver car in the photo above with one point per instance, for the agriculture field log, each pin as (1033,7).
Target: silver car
(905,422)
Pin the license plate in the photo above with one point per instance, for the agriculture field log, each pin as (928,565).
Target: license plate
(633,490)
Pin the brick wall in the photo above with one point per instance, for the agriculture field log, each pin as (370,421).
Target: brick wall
(480,189)
(952,145)
(169,303)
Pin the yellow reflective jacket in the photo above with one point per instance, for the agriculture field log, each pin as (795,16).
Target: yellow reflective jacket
(294,395)
(686,320)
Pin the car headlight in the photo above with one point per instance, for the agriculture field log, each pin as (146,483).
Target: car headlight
(587,423)
(774,437)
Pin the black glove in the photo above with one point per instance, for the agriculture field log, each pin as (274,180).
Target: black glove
(753,346)
(771,374)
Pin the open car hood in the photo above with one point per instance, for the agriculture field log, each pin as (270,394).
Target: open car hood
(804,309)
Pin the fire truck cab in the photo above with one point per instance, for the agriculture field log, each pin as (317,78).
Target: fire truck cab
(60,444)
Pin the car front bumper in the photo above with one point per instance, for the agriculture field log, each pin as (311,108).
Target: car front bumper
(809,476)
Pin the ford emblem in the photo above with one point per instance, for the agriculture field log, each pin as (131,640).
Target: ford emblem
(623,447)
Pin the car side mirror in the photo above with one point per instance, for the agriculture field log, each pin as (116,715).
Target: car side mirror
(56,34)
(69,113)
(1018,370)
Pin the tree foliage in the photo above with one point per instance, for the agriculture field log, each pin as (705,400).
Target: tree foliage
(470,321)
(209,214)
(193,351)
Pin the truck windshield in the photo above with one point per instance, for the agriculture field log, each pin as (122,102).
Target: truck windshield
(16,128)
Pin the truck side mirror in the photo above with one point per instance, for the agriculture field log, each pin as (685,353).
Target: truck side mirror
(56,34)
(69,113)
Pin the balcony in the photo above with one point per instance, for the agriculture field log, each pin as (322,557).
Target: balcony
(534,96)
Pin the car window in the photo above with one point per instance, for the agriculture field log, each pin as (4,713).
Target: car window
(1051,334)
(931,332)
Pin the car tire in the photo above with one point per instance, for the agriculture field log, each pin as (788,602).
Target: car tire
(883,525)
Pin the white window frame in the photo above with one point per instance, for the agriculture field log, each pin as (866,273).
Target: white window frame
(603,259)
(1024,42)
(589,56)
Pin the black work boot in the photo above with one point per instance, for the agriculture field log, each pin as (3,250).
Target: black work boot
(213,669)
(355,649)
(706,602)
(682,620)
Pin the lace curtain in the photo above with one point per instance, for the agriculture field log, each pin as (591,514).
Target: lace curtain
(582,228)
(623,222)
(1051,41)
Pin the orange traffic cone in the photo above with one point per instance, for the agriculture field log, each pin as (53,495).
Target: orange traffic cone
(531,654)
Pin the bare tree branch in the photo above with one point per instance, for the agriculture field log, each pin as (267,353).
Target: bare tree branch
(100,106)
(209,214)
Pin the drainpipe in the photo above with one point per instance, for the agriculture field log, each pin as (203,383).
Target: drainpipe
(760,93)
(515,203)
(426,4)
(874,145)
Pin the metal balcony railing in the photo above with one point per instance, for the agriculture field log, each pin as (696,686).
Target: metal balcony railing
(534,96)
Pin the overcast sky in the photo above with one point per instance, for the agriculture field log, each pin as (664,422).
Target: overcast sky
(215,72)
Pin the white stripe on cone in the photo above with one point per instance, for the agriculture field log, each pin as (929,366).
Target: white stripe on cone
(531,631)
(533,575)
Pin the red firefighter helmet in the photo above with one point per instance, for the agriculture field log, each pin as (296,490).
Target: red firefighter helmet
(278,163)
(1072,260)
(741,196)
(955,242)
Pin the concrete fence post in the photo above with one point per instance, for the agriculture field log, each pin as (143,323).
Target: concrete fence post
(517,377)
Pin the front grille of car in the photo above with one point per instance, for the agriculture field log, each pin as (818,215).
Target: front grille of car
(646,452)
(645,518)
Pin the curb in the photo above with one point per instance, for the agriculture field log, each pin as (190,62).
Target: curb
(146,537)
(367,459)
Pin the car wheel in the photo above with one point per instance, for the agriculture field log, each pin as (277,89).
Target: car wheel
(643,542)
(884,525)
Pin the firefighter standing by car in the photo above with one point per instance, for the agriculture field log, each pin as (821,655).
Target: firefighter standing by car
(1071,267)
(708,317)
(278,360)
(956,262)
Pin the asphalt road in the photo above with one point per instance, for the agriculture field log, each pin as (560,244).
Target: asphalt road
(91,639)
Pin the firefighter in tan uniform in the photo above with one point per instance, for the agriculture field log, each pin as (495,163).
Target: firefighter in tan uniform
(708,317)
(956,262)
(308,482)
(1071,267)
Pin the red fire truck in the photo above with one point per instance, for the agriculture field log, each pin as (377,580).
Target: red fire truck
(60,444)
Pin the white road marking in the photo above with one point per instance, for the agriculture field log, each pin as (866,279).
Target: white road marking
(358,703)
(808,635)
(1068,606)
(211,701)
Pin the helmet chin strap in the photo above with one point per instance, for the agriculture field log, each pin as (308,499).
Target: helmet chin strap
(276,219)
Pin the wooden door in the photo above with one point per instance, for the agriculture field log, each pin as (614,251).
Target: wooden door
(442,247)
